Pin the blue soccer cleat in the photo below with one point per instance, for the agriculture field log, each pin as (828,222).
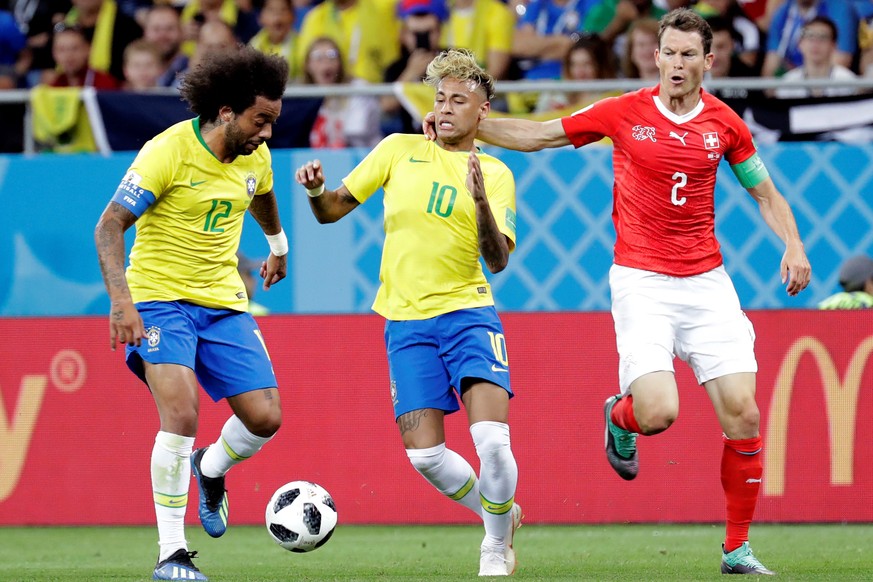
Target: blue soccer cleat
(213,507)
(178,567)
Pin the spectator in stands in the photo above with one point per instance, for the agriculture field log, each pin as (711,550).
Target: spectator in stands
(342,121)
(746,34)
(142,66)
(864,9)
(136,9)
(856,279)
(163,28)
(588,59)
(611,18)
(242,22)
(277,35)
(485,27)
(726,63)
(301,9)
(108,30)
(71,50)
(215,37)
(366,31)
(545,34)
(783,38)
(420,32)
(638,59)
(818,46)
(36,18)
(12,45)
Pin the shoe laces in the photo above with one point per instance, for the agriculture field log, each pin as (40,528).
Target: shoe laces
(183,558)
(625,442)
(493,556)
(213,487)
(749,559)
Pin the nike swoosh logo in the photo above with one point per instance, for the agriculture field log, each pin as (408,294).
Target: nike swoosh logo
(175,501)
(195,184)
(412,160)
(496,368)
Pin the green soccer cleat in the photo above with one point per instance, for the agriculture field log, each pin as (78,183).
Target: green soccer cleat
(621,444)
(743,561)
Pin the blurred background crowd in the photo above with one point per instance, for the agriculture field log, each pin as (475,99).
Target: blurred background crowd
(140,45)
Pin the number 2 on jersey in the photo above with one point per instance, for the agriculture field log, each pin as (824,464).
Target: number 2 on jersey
(682,180)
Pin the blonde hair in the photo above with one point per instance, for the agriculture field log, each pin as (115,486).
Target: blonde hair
(459,64)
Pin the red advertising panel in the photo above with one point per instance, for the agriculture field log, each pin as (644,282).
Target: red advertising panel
(77,429)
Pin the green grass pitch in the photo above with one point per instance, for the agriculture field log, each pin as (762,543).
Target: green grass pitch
(602,553)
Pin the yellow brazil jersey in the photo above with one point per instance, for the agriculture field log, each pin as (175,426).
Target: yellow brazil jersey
(186,240)
(486,26)
(367,33)
(430,260)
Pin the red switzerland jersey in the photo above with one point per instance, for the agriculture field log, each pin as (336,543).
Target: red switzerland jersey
(665,167)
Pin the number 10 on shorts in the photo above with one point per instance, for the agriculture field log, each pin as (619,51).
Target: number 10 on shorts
(498,345)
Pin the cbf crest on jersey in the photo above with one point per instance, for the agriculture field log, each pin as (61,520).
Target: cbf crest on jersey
(251,184)
(153,336)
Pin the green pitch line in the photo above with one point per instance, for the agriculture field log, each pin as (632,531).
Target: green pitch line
(602,553)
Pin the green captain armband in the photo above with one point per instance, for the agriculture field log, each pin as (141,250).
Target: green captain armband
(751,172)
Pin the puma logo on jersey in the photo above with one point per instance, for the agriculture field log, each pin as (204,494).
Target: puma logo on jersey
(679,137)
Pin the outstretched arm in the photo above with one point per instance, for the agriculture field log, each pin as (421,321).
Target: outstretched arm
(514,134)
(523,134)
(125,323)
(326,205)
(266,212)
(795,268)
(493,244)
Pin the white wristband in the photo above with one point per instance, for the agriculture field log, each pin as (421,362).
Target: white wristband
(315,192)
(278,243)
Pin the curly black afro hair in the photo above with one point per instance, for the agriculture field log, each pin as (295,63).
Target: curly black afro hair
(233,79)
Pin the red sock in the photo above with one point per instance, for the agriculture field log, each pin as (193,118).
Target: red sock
(623,414)
(741,470)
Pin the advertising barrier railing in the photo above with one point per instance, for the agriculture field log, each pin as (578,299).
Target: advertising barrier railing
(77,429)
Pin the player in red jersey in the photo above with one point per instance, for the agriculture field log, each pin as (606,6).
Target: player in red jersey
(671,295)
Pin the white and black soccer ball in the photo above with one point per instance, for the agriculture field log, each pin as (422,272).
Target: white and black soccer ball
(301,516)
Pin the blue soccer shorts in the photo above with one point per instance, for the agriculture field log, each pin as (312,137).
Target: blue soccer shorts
(224,347)
(429,359)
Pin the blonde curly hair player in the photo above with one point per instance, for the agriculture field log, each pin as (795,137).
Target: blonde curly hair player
(459,64)
(446,205)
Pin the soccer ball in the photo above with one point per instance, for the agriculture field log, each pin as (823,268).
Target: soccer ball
(301,516)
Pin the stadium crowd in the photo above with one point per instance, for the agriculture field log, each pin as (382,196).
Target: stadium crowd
(137,45)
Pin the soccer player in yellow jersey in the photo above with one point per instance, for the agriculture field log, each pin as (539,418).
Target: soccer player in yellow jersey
(181,306)
(446,204)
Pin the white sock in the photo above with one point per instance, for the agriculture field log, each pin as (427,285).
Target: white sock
(450,473)
(498,477)
(171,475)
(235,444)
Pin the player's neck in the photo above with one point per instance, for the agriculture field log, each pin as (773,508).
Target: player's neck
(213,136)
(465,145)
(680,104)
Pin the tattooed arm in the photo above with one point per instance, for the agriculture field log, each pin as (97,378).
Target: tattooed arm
(125,323)
(265,210)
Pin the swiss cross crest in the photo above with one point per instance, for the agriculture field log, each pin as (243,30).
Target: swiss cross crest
(710,141)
